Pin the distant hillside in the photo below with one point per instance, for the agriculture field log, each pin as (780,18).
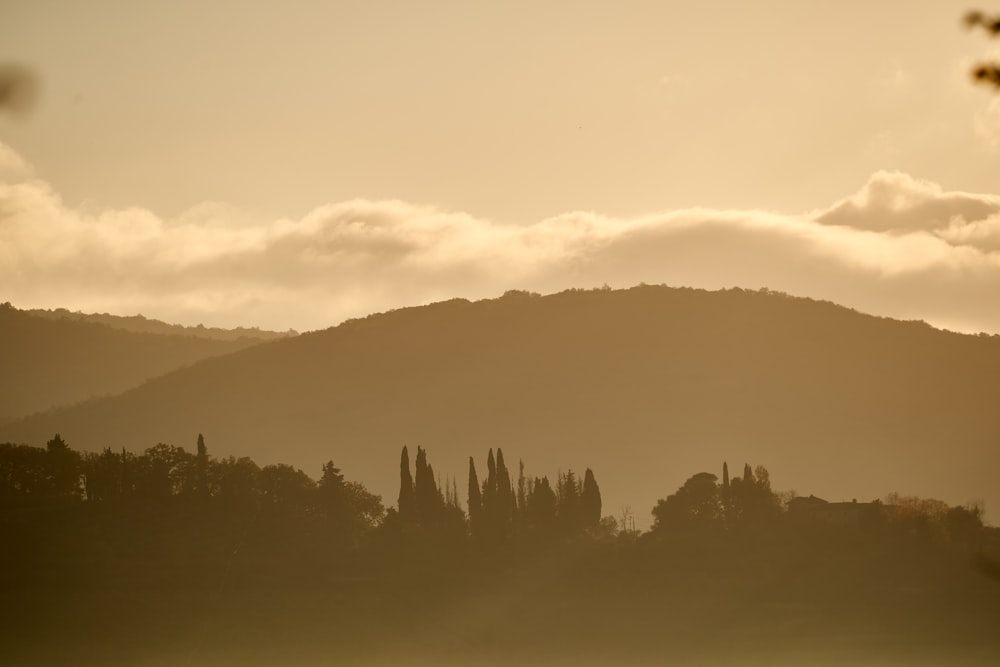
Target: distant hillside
(140,324)
(51,362)
(642,385)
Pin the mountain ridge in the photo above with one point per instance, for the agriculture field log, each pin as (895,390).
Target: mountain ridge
(142,324)
(638,384)
(50,362)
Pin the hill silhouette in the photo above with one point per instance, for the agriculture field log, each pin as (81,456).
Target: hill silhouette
(643,384)
(50,361)
(141,324)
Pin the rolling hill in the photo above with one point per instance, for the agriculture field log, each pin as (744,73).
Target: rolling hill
(645,386)
(51,361)
(141,324)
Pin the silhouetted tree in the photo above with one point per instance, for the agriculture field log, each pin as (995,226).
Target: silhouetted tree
(160,472)
(201,468)
(725,493)
(491,515)
(751,498)
(590,499)
(364,508)
(102,475)
(331,496)
(24,475)
(63,469)
(405,502)
(286,488)
(426,496)
(348,506)
(965,524)
(505,502)
(475,501)
(522,488)
(237,479)
(695,504)
(128,483)
(569,512)
(540,515)
(332,480)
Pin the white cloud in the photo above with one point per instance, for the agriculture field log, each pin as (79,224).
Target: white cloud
(892,201)
(900,247)
(12,165)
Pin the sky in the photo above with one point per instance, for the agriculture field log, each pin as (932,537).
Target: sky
(241,164)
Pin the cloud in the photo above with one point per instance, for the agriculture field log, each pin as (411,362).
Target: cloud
(899,247)
(897,202)
(12,165)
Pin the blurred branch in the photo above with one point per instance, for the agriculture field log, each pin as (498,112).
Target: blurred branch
(976,19)
(18,88)
(985,73)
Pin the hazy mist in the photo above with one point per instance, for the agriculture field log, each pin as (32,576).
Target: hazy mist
(636,333)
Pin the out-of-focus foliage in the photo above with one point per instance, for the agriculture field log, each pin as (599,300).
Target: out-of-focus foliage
(987,73)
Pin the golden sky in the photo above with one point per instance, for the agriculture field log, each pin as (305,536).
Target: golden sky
(239,163)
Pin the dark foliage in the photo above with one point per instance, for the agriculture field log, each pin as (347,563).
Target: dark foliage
(274,548)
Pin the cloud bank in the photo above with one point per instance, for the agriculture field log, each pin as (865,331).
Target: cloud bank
(899,247)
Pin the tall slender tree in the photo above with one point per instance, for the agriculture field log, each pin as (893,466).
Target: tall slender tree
(540,516)
(568,508)
(406,508)
(505,497)
(427,498)
(522,489)
(475,500)
(201,468)
(590,500)
(726,494)
(62,469)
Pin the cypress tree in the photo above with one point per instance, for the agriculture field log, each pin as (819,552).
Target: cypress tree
(426,496)
(590,499)
(490,493)
(505,500)
(726,492)
(201,468)
(541,509)
(331,495)
(522,491)
(568,508)
(405,486)
(435,499)
(475,500)
(491,472)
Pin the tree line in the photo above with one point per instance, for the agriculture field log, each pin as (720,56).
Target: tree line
(500,508)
